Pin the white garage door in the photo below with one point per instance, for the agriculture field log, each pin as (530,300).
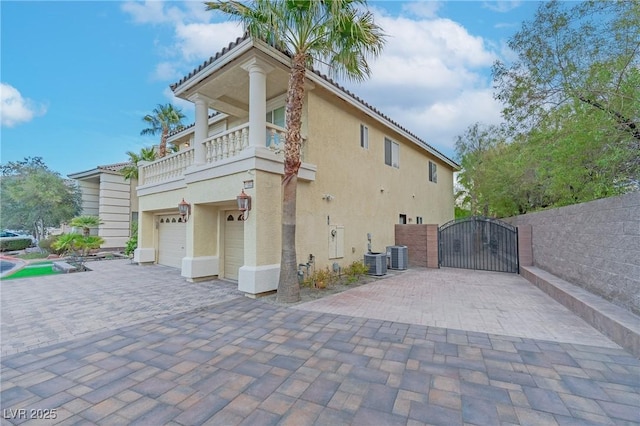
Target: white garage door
(172,235)
(233,244)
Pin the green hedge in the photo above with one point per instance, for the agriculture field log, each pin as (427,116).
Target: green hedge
(13,245)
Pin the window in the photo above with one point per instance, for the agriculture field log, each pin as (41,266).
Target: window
(403,219)
(419,220)
(364,136)
(276,116)
(433,173)
(391,153)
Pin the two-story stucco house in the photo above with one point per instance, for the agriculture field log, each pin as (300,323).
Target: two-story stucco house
(106,194)
(362,173)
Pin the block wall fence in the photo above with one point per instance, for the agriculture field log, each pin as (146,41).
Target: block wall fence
(594,245)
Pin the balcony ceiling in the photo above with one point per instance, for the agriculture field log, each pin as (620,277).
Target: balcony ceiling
(227,89)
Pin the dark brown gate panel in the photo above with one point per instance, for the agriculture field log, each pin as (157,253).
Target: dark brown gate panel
(478,243)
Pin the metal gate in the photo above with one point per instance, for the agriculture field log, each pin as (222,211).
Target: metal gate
(478,243)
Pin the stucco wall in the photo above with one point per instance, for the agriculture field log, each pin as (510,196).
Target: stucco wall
(366,195)
(594,245)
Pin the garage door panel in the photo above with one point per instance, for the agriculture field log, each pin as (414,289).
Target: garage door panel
(172,236)
(233,244)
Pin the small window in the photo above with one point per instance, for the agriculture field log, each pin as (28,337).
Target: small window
(419,220)
(403,219)
(433,172)
(230,218)
(364,136)
(391,153)
(276,116)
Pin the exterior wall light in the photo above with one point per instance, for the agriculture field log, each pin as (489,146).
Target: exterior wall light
(185,209)
(244,204)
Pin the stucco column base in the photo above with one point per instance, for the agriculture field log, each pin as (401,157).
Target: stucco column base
(254,280)
(200,268)
(144,255)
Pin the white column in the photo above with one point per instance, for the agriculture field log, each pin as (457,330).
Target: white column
(258,71)
(201,128)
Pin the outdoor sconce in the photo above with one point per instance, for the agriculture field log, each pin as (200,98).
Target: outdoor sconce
(244,204)
(185,209)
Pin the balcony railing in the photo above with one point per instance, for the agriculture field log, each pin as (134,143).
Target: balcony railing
(167,168)
(226,144)
(217,148)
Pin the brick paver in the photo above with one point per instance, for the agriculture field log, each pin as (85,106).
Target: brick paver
(248,362)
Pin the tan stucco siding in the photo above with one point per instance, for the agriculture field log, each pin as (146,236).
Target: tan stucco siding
(367,195)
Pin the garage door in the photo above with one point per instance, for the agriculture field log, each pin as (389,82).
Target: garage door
(233,244)
(172,235)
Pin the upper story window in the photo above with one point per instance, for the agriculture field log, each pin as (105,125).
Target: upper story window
(276,116)
(391,153)
(433,172)
(364,136)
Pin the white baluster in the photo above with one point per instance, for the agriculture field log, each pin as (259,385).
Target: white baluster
(244,138)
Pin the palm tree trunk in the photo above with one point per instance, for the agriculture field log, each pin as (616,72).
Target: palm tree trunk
(162,149)
(288,286)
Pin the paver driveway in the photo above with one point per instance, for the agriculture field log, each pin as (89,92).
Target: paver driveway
(243,361)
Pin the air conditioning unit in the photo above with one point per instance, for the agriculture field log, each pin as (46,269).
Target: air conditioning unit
(398,257)
(376,262)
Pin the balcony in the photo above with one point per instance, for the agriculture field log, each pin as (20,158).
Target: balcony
(223,149)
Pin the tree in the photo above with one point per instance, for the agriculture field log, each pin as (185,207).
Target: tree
(163,120)
(34,197)
(579,63)
(130,171)
(334,33)
(472,149)
(85,222)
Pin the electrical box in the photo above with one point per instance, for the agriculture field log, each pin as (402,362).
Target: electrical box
(336,241)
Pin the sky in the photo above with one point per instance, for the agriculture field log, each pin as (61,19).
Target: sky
(78,76)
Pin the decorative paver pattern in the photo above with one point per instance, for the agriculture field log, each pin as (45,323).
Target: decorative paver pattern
(248,362)
(140,345)
(39,311)
(489,302)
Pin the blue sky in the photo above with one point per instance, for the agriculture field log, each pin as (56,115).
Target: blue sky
(77,77)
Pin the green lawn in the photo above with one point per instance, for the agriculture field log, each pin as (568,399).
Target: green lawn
(33,270)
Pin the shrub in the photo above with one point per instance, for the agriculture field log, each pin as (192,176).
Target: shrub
(46,244)
(321,278)
(13,245)
(355,271)
(132,243)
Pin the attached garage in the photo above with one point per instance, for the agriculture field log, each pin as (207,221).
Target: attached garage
(233,244)
(172,236)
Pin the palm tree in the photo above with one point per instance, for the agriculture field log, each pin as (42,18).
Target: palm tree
(86,223)
(163,120)
(339,34)
(130,171)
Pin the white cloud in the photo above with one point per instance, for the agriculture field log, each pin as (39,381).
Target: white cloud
(422,9)
(15,109)
(166,71)
(432,78)
(154,12)
(502,6)
(198,41)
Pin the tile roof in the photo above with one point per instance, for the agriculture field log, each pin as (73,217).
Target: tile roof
(188,126)
(114,167)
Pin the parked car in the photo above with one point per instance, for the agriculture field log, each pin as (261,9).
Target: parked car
(10,235)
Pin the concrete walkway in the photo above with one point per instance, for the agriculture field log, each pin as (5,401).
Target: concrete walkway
(225,360)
